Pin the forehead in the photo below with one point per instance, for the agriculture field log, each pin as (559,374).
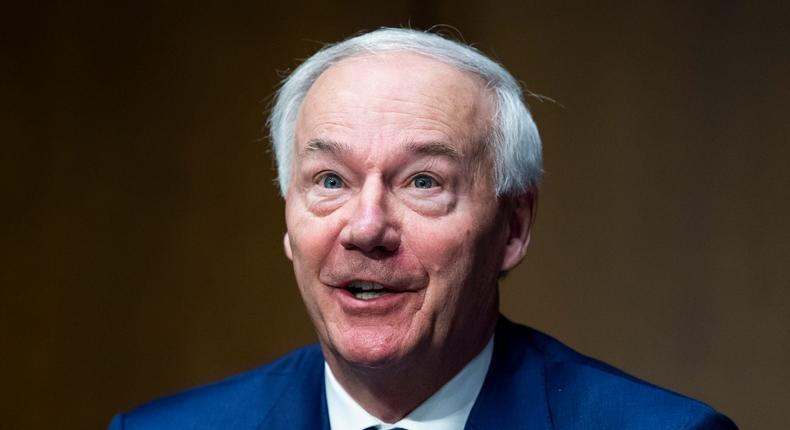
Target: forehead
(399,95)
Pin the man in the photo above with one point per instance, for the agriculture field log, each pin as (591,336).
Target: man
(409,166)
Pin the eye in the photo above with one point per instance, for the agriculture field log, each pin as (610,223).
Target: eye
(423,181)
(330,180)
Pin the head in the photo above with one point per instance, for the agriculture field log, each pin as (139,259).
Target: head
(409,164)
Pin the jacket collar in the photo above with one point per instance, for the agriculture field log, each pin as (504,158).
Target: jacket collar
(514,392)
(302,405)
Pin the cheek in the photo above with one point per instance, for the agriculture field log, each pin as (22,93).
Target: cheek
(442,250)
(458,252)
(311,242)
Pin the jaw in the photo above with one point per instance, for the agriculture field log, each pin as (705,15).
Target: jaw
(390,374)
(399,329)
(372,333)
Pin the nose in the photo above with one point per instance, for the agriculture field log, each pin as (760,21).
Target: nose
(370,225)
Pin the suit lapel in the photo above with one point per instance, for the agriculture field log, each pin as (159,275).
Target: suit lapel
(302,405)
(514,391)
(513,394)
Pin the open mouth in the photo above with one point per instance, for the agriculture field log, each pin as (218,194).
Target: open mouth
(363,290)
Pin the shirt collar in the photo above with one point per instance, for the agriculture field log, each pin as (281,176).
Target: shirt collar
(446,409)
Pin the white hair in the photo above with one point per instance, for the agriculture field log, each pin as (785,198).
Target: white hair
(513,135)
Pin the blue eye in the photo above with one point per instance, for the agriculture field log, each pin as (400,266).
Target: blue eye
(423,181)
(332,181)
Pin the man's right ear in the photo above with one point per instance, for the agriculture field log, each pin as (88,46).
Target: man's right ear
(287,246)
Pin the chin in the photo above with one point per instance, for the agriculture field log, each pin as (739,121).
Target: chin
(370,347)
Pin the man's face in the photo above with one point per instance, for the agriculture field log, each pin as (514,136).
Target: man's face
(394,229)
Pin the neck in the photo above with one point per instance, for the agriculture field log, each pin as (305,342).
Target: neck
(390,393)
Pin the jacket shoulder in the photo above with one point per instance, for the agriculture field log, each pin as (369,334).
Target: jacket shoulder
(240,401)
(586,393)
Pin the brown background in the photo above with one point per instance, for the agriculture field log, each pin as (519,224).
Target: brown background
(142,231)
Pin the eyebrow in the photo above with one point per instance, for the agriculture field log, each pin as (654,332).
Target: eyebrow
(434,149)
(322,145)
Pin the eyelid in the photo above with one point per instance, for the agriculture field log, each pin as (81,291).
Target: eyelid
(322,174)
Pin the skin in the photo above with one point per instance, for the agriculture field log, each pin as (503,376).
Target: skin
(392,184)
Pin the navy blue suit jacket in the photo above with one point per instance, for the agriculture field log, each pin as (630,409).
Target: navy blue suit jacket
(534,382)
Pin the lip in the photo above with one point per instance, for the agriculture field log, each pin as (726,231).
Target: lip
(394,287)
(388,303)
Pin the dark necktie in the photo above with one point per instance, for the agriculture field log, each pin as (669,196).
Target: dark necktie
(378,427)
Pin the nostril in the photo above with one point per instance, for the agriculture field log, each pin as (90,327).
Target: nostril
(379,254)
(375,252)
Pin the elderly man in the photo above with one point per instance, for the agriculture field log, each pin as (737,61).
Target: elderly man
(409,165)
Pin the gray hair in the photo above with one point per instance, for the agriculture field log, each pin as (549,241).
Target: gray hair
(514,136)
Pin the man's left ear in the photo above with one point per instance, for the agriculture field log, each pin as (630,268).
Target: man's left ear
(521,216)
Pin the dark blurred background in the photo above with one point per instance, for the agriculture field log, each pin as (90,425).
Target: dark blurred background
(142,232)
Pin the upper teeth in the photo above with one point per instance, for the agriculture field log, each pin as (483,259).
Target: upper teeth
(366,286)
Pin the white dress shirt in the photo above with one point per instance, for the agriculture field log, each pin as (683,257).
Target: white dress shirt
(446,409)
